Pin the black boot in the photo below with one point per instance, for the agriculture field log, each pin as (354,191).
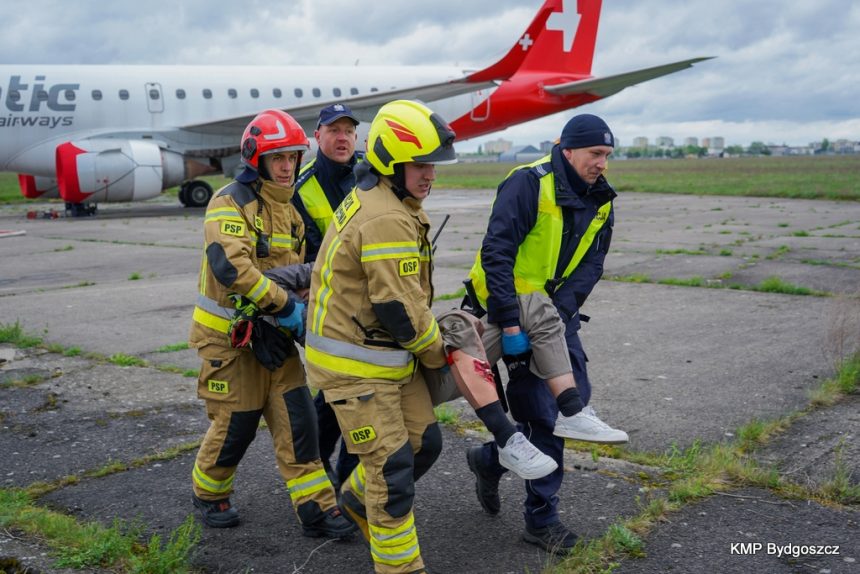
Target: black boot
(216,513)
(332,524)
(486,484)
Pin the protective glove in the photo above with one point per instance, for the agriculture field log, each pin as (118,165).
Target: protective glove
(271,346)
(514,345)
(293,320)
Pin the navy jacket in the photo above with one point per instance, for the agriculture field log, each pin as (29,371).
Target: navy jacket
(336,180)
(514,214)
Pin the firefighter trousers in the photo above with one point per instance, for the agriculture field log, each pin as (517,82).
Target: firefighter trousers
(238,391)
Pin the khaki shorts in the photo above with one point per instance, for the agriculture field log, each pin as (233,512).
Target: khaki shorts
(541,322)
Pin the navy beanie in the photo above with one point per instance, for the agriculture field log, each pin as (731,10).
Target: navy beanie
(585,130)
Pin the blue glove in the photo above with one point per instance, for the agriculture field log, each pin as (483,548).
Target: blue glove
(515,344)
(445,369)
(294,320)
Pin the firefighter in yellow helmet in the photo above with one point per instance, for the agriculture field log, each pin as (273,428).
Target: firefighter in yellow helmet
(370,327)
(251,227)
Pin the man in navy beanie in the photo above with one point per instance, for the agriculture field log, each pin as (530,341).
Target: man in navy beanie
(547,238)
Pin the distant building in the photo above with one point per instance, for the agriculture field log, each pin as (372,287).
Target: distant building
(521,154)
(691,142)
(665,141)
(640,142)
(498,146)
(718,143)
(706,142)
(546,146)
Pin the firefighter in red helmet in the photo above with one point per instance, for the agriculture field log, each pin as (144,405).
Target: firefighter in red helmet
(249,228)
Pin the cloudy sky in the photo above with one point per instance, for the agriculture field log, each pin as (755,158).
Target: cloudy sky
(786,71)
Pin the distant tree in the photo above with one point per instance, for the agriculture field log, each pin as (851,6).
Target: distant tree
(735,150)
(758,148)
(825,144)
(480,150)
(658,152)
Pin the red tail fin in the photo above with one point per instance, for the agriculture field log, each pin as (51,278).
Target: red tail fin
(566,44)
(560,39)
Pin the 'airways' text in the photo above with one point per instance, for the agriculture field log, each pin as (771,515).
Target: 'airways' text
(36,121)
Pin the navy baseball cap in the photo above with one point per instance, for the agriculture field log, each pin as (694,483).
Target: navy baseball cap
(334,112)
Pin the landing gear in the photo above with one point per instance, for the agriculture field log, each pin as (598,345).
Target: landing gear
(195,193)
(80,209)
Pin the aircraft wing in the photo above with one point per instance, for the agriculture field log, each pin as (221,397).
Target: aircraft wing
(603,87)
(364,107)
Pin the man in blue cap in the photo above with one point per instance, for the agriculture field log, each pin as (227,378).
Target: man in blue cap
(546,241)
(322,184)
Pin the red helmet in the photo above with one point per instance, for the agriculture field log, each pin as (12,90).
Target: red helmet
(272,131)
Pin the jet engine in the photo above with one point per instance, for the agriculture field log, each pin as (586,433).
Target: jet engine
(115,170)
(37,187)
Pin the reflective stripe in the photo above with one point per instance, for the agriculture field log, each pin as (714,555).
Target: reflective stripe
(393,250)
(207,319)
(353,368)
(209,484)
(325,291)
(214,308)
(427,338)
(283,240)
(260,288)
(395,546)
(356,480)
(426,254)
(308,484)
(393,358)
(224,214)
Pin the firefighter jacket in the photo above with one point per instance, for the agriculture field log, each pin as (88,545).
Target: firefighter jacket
(248,229)
(321,186)
(549,231)
(369,314)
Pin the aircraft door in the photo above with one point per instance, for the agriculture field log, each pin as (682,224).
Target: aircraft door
(480,106)
(154,99)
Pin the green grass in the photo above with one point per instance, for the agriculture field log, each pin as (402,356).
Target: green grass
(14,334)
(459,294)
(126,360)
(172,348)
(827,177)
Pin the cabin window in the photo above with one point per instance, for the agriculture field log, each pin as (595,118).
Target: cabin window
(276,92)
(41,95)
(353,91)
(97,95)
(336,92)
(255,93)
(70,95)
(207,93)
(154,94)
(232,93)
(374,89)
(298,92)
(180,94)
(14,95)
(317,92)
(123,94)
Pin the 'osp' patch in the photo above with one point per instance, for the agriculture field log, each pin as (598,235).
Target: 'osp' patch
(362,434)
(233,228)
(220,387)
(409,266)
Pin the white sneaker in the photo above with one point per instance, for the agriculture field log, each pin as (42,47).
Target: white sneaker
(585,425)
(524,458)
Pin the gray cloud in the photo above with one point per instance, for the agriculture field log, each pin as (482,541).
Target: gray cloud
(789,67)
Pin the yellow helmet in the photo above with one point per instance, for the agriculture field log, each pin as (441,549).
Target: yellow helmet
(404,131)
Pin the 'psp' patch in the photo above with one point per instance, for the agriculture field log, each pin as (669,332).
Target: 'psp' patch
(233,228)
(363,434)
(221,387)
(409,266)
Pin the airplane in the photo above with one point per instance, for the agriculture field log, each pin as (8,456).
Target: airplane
(107,133)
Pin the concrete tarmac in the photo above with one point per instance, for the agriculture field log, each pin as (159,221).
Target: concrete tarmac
(671,364)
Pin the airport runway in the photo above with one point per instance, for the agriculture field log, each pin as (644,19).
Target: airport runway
(670,364)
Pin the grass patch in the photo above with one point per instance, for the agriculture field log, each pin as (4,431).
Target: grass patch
(91,545)
(446,415)
(681,252)
(64,248)
(124,360)
(134,276)
(775,284)
(458,294)
(172,348)
(14,334)
(691,282)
